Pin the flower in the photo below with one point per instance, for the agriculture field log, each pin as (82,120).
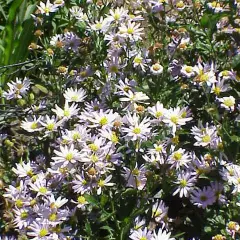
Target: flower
(67,112)
(141,234)
(159,211)
(38,231)
(136,130)
(157,111)
(179,158)
(161,235)
(47,8)
(75,95)
(227,103)
(32,125)
(175,117)
(131,30)
(102,183)
(205,135)
(17,89)
(156,69)
(185,184)
(203,197)
(66,155)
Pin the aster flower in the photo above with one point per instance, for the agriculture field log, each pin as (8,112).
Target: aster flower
(102,119)
(140,234)
(81,185)
(102,183)
(159,211)
(75,95)
(71,41)
(156,69)
(219,87)
(203,197)
(179,158)
(228,103)
(134,97)
(217,188)
(117,15)
(23,170)
(161,235)
(185,184)
(17,89)
(131,30)
(232,227)
(67,112)
(204,135)
(135,178)
(32,125)
(188,71)
(157,111)
(66,155)
(47,8)
(40,186)
(205,74)
(39,231)
(175,117)
(137,130)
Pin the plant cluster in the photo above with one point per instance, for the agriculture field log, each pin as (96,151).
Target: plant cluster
(120,120)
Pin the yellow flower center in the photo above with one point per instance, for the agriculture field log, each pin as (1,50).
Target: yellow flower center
(203,198)
(34,125)
(183,183)
(94,158)
(74,98)
(43,190)
(135,171)
(180,4)
(217,90)
(66,112)
(52,217)
(43,232)
(138,60)
(158,114)
(69,156)
(156,67)
(50,126)
(174,119)
(114,138)
(177,156)
(206,138)
(130,30)
(101,183)
(229,102)
(76,136)
(93,147)
(24,215)
(46,9)
(19,203)
(137,130)
(81,200)
(188,69)
(103,121)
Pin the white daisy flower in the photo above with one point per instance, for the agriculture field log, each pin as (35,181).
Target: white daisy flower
(75,95)
(228,103)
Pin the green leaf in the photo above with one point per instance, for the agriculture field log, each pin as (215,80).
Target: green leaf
(235,138)
(91,200)
(41,88)
(104,200)
(236,61)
